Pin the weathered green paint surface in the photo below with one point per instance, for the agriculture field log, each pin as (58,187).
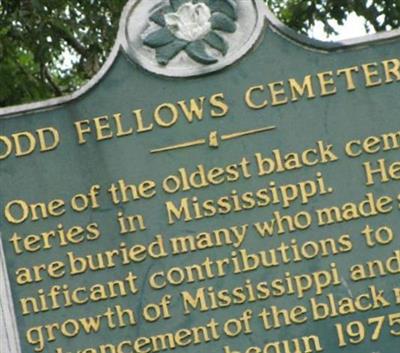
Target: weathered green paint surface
(72,169)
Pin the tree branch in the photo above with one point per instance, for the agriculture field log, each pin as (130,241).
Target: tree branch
(70,39)
(47,76)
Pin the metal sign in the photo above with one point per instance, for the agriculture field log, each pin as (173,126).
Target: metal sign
(223,184)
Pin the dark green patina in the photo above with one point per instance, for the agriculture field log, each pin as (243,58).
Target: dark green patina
(73,168)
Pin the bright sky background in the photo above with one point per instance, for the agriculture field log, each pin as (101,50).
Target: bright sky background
(353,28)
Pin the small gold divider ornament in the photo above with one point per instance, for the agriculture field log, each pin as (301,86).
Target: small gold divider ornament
(213,139)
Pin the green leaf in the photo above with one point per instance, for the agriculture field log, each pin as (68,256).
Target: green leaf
(217,42)
(166,53)
(159,38)
(177,3)
(227,7)
(158,16)
(36,5)
(197,51)
(222,22)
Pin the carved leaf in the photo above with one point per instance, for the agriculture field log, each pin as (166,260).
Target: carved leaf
(177,3)
(197,51)
(166,53)
(222,22)
(227,7)
(159,38)
(217,42)
(158,16)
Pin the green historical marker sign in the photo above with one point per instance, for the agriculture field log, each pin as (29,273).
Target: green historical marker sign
(223,185)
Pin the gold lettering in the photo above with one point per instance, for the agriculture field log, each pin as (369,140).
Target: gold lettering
(300,90)
(348,73)
(277,93)
(249,98)
(327,83)
(371,72)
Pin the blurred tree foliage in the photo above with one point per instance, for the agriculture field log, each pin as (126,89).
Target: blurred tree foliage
(381,15)
(49,48)
(36,35)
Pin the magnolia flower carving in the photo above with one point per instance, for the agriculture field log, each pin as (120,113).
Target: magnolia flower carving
(192,26)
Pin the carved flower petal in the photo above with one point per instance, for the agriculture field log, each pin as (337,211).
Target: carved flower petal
(191,22)
(186,13)
(202,14)
(172,20)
